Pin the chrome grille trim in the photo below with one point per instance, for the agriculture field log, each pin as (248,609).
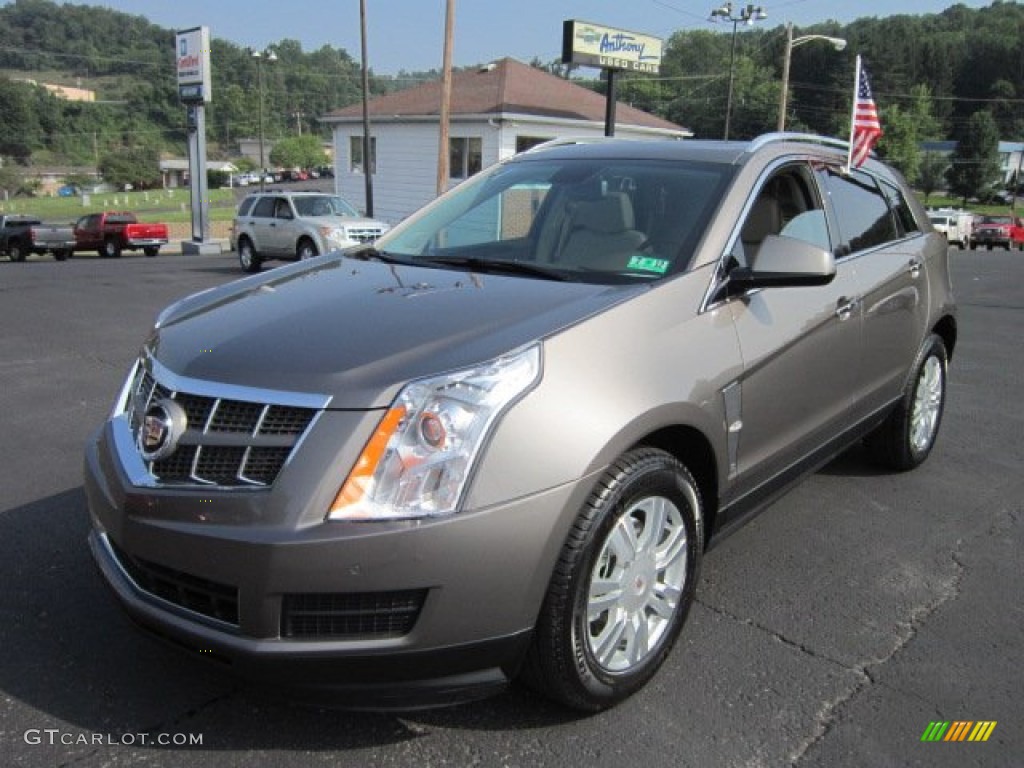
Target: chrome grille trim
(230,443)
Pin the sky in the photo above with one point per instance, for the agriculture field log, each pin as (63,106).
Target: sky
(409,34)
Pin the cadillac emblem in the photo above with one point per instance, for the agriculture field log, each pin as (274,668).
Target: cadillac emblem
(162,426)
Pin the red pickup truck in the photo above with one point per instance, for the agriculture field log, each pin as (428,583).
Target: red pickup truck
(1004,231)
(111,232)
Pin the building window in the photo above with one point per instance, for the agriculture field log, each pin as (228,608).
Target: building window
(465,156)
(355,153)
(524,143)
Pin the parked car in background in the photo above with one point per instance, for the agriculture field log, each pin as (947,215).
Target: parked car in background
(497,442)
(956,225)
(111,232)
(1003,231)
(297,225)
(22,235)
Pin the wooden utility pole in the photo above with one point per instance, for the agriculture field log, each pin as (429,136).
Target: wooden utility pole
(446,98)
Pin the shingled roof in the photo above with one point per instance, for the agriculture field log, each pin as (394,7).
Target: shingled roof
(504,87)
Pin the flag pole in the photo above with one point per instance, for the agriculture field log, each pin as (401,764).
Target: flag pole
(853,115)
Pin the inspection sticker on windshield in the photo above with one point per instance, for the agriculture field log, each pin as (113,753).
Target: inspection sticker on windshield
(648,264)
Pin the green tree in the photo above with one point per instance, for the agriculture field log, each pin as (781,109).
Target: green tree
(10,179)
(974,165)
(905,129)
(298,152)
(139,167)
(931,173)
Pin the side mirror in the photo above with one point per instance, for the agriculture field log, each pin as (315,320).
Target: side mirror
(784,261)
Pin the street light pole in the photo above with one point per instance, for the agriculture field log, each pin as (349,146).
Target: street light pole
(270,57)
(837,42)
(748,15)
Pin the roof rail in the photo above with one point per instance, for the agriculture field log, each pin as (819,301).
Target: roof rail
(807,138)
(569,140)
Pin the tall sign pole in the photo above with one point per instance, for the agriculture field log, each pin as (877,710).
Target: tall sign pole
(192,60)
(368,156)
(613,50)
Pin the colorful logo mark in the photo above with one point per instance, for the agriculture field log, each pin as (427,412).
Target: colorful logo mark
(959,730)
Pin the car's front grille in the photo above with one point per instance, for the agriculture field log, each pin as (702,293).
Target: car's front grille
(351,615)
(227,442)
(364,234)
(209,598)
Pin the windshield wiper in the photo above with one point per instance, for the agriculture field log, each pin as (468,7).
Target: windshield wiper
(369,253)
(475,264)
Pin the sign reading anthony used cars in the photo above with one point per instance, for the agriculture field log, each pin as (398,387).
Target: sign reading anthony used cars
(192,60)
(597,46)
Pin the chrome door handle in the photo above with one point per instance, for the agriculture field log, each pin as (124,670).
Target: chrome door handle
(914,268)
(846,307)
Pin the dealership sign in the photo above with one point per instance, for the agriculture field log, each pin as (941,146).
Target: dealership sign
(192,54)
(596,46)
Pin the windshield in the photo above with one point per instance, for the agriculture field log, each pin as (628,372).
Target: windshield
(323,205)
(600,220)
(996,220)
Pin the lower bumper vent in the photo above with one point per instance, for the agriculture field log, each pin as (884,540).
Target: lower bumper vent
(352,615)
(209,598)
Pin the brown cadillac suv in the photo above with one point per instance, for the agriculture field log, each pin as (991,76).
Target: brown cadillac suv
(497,442)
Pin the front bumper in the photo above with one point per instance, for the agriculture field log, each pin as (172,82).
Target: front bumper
(992,238)
(480,578)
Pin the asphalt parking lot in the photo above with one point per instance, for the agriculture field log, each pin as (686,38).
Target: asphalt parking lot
(828,632)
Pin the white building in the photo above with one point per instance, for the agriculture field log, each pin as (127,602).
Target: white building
(496,111)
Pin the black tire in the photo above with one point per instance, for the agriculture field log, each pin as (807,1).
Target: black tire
(905,439)
(249,260)
(15,252)
(974,246)
(306,249)
(61,255)
(988,247)
(111,248)
(151,250)
(581,649)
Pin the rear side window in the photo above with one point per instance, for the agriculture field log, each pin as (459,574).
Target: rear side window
(905,220)
(264,208)
(861,210)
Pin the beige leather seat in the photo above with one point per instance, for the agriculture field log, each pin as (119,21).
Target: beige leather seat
(765,219)
(601,234)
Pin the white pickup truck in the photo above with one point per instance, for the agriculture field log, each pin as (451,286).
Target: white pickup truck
(955,225)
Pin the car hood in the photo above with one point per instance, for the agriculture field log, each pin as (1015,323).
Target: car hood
(357,331)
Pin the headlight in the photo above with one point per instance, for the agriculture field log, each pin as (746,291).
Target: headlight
(418,460)
(338,234)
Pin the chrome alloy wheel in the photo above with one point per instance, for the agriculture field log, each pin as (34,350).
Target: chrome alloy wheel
(636,584)
(924,416)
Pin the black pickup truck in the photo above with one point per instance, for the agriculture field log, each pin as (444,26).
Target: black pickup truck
(22,235)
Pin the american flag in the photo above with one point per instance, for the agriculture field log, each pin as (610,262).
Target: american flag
(866,128)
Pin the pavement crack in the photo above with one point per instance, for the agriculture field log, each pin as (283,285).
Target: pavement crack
(189,714)
(906,631)
(774,634)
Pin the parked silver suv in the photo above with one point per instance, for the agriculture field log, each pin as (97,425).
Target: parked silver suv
(520,417)
(297,225)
